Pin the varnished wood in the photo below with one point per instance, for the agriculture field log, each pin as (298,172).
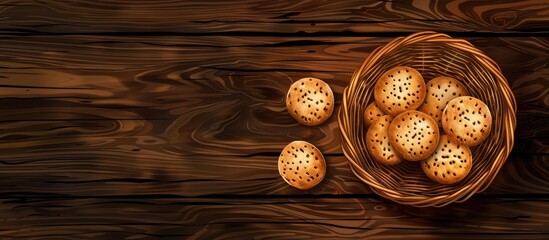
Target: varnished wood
(272,218)
(164,120)
(142,114)
(268,17)
(174,83)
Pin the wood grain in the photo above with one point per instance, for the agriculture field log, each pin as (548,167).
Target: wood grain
(164,120)
(142,79)
(270,218)
(245,17)
(198,176)
(163,115)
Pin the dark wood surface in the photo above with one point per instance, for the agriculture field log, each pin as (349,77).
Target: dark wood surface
(164,119)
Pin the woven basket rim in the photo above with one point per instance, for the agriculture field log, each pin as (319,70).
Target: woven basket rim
(509,115)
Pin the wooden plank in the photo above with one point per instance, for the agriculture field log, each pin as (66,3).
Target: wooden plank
(273,218)
(260,17)
(166,88)
(196,116)
(126,173)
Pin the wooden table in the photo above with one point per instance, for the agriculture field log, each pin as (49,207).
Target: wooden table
(164,120)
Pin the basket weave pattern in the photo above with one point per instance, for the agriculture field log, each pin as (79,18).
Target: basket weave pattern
(432,54)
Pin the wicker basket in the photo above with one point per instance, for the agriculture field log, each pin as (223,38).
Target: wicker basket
(432,54)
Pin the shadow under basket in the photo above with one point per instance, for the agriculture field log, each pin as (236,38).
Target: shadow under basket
(432,54)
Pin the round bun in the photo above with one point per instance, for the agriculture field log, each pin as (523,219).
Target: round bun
(377,142)
(398,90)
(310,101)
(372,113)
(440,91)
(467,121)
(301,165)
(414,135)
(449,163)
